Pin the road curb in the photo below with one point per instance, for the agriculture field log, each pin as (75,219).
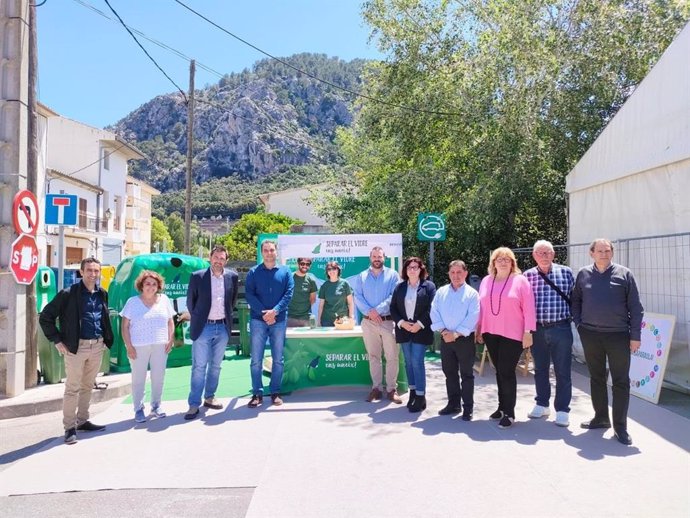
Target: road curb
(48,398)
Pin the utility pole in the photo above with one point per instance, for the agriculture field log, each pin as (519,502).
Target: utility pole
(190,154)
(14,48)
(31,358)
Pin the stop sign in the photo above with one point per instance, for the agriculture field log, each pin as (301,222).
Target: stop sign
(24,259)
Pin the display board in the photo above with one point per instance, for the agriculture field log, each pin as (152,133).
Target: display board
(648,363)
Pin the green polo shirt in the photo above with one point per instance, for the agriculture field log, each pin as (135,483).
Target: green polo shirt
(300,307)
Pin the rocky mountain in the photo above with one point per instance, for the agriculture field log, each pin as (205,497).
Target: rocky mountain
(251,129)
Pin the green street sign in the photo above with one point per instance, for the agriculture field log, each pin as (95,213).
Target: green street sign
(431,226)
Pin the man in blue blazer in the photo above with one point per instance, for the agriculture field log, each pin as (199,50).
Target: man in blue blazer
(211,296)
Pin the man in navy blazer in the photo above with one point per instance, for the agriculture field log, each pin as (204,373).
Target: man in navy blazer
(211,296)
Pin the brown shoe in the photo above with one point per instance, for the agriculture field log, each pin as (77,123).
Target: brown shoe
(213,403)
(394,397)
(277,401)
(374,395)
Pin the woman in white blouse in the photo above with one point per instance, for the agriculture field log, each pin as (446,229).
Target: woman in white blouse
(148,333)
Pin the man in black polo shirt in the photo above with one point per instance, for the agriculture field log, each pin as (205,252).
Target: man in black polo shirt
(608,315)
(84,331)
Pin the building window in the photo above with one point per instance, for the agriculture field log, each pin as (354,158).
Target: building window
(82,213)
(117,217)
(106,159)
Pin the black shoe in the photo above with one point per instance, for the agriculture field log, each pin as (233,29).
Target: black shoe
(467,415)
(450,409)
(88,426)
(191,413)
(496,415)
(623,437)
(594,424)
(418,404)
(71,436)
(506,422)
(257,400)
(413,394)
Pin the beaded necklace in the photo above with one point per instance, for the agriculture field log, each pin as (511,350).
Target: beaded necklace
(491,296)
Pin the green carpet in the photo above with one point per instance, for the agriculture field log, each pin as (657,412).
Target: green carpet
(234,379)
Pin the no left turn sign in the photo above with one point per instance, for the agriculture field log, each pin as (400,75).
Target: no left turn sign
(25,213)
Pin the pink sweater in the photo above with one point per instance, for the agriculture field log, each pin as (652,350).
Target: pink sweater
(517,313)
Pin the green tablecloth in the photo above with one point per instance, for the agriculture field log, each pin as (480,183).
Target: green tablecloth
(328,356)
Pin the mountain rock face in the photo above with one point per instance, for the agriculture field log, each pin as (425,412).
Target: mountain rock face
(251,125)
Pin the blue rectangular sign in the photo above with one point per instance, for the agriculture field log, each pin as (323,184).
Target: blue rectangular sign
(61,209)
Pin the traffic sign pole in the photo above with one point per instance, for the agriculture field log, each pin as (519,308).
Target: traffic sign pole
(431,260)
(61,257)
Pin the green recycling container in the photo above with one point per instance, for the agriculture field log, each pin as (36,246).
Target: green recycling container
(243,317)
(176,269)
(51,364)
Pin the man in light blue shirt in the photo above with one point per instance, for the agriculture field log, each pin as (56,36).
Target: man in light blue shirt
(373,290)
(454,313)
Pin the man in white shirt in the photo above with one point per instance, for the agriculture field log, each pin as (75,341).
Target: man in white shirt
(454,313)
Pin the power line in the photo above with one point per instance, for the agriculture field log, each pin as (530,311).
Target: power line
(152,40)
(145,51)
(316,78)
(105,155)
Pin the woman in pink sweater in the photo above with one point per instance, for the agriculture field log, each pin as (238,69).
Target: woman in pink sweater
(507,319)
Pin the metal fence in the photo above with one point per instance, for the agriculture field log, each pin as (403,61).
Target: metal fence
(660,264)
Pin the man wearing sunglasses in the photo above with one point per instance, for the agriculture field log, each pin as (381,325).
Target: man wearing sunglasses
(304,295)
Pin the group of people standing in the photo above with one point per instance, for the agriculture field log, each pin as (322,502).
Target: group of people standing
(509,313)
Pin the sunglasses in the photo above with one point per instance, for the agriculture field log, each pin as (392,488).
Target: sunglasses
(302,263)
(331,268)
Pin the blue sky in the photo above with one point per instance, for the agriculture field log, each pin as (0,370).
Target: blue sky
(91,70)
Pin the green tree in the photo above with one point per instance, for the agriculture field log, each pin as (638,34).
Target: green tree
(160,236)
(506,97)
(242,239)
(175,225)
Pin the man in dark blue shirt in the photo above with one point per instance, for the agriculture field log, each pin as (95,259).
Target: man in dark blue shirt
(268,291)
(83,333)
(608,315)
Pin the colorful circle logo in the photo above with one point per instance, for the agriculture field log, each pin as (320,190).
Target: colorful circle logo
(657,337)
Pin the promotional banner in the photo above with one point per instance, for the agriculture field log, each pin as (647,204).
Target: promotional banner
(337,245)
(350,251)
(318,357)
(648,364)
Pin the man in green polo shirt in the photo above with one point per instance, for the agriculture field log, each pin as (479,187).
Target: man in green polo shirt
(304,295)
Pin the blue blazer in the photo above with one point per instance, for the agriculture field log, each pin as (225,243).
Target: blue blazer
(199,299)
(422,312)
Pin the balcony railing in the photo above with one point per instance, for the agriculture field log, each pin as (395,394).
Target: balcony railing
(90,223)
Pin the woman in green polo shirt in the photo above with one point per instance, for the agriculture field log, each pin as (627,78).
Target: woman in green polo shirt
(335,297)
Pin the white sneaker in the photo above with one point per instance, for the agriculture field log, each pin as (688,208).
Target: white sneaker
(539,411)
(562,419)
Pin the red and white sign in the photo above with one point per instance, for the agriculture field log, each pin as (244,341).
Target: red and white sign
(24,259)
(25,213)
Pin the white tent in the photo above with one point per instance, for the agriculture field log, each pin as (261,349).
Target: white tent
(633,185)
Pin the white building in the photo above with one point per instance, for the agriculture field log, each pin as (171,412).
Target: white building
(138,218)
(295,203)
(91,163)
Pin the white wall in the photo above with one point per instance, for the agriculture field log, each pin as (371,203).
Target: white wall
(293,203)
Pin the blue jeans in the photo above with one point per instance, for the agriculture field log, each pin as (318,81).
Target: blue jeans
(207,354)
(414,366)
(260,332)
(553,344)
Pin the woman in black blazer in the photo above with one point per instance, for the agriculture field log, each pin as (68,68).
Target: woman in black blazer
(410,307)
